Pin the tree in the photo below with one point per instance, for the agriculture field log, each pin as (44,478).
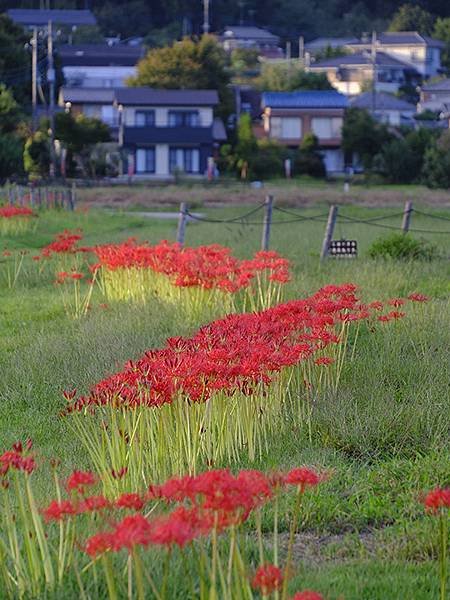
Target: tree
(411,17)
(36,155)
(363,136)
(9,110)
(11,142)
(282,78)
(189,64)
(246,146)
(15,69)
(442,32)
(308,159)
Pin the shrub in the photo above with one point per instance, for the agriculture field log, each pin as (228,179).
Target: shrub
(399,246)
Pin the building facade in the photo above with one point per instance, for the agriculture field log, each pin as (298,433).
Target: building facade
(289,116)
(435,96)
(164,133)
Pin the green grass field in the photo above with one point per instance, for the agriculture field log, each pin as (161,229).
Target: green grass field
(385,435)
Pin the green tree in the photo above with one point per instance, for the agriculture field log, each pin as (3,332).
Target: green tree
(36,155)
(410,17)
(308,158)
(246,146)
(15,61)
(9,110)
(363,136)
(11,142)
(189,64)
(282,78)
(442,32)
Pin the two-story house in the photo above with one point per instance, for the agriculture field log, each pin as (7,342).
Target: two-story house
(386,108)
(165,132)
(289,116)
(99,65)
(351,74)
(251,38)
(420,52)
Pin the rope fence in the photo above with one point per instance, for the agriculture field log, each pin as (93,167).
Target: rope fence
(330,218)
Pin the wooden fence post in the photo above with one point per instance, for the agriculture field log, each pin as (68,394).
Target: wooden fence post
(73,195)
(332,217)
(182,219)
(407,216)
(268,207)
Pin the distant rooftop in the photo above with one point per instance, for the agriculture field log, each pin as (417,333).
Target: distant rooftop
(153,97)
(329,42)
(438,86)
(361,59)
(31,17)
(241,32)
(304,99)
(401,38)
(79,95)
(100,55)
(382,102)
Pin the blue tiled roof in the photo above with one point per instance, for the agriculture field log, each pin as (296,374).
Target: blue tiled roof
(304,99)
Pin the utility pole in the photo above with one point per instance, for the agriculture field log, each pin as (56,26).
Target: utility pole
(34,52)
(206,17)
(289,58)
(301,51)
(51,83)
(373,55)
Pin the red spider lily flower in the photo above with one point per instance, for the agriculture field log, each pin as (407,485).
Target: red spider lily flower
(76,276)
(376,305)
(396,302)
(93,504)
(180,527)
(418,298)
(303,478)
(324,360)
(64,243)
(79,480)
(132,531)
(99,544)
(36,257)
(437,498)
(307,595)
(56,511)
(17,460)
(6,253)
(130,500)
(267,579)
(104,305)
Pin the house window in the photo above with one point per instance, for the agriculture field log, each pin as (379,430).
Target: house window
(183,118)
(145,160)
(144,118)
(287,128)
(326,127)
(184,159)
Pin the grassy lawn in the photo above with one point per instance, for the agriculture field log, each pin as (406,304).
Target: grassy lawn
(384,435)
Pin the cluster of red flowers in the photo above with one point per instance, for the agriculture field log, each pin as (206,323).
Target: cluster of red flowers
(64,243)
(437,499)
(214,500)
(233,354)
(17,459)
(208,267)
(6,212)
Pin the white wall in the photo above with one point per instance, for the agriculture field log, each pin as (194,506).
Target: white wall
(99,76)
(334,160)
(206,115)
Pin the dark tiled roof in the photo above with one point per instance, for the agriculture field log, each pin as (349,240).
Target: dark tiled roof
(240,32)
(361,58)
(382,101)
(437,86)
(401,37)
(80,95)
(152,97)
(322,43)
(304,99)
(100,55)
(42,17)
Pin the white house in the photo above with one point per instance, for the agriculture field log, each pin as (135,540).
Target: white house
(435,96)
(386,107)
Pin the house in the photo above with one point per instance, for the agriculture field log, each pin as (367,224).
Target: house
(350,74)
(386,108)
(91,102)
(165,132)
(419,52)
(99,65)
(289,116)
(435,96)
(251,38)
(39,17)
